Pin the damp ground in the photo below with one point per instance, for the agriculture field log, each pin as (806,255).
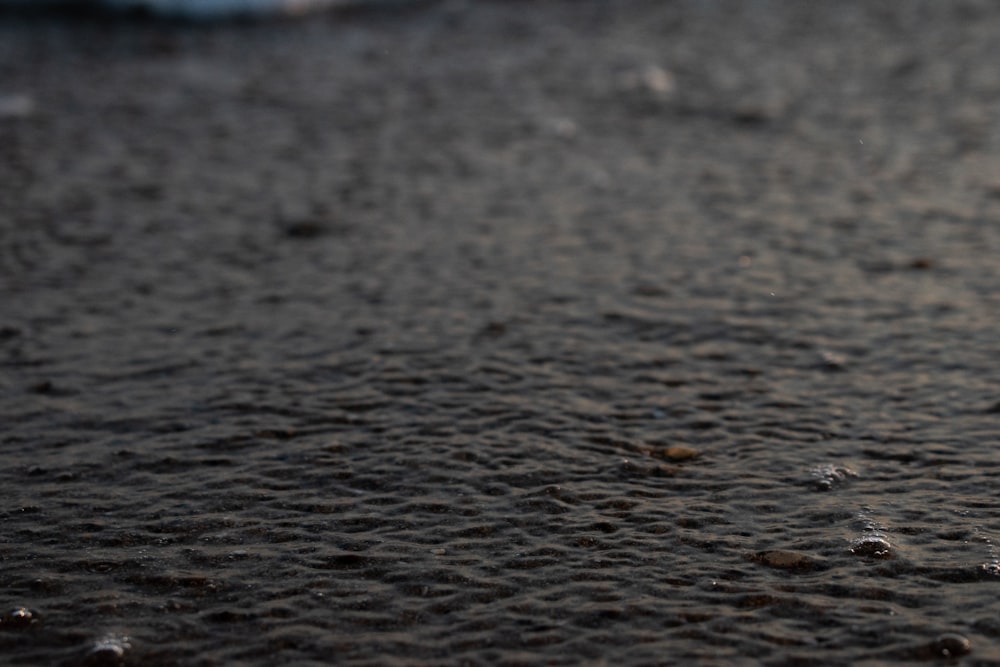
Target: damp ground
(502,333)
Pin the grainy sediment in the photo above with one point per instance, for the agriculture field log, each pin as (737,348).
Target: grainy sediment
(502,333)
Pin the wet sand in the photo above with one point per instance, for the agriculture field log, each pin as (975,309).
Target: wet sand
(502,333)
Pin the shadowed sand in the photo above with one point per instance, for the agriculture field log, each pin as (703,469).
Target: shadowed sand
(501,333)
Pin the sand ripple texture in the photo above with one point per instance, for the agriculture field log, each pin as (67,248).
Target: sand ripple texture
(499,333)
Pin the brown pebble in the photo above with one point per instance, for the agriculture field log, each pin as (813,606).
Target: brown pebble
(783,559)
(677,453)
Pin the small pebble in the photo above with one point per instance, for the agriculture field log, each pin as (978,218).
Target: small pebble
(678,453)
(783,559)
(873,546)
(20,617)
(950,645)
(304,229)
(832,361)
(651,79)
(108,652)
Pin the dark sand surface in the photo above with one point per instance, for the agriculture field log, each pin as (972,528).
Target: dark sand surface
(626,333)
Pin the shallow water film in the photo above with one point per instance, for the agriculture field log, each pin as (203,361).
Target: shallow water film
(502,333)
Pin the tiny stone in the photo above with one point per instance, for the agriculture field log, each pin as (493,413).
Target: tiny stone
(109,652)
(833,361)
(783,559)
(649,78)
(44,387)
(678,453)
(950,644)
(20,617)
(872,546)
(304,229)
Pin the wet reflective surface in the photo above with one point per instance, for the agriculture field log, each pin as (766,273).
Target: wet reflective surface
(641,333)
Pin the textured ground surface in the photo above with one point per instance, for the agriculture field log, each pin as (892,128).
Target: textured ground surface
(502,333)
